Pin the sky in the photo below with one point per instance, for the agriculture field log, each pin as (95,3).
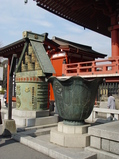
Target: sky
(16,17)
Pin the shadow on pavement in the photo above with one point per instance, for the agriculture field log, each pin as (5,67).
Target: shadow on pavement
(6,141)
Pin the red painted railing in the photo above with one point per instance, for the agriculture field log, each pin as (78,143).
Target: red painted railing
(105,66)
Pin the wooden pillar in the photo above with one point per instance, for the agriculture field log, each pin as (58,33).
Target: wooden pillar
(48,96)
(12,68)
(8,72)
(115,45)
(0,113)
(114,36)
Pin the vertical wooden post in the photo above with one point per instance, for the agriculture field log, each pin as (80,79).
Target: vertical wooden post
(114,36)
(93,67)
(115,45)
(12,68)
(0,113)
(8,72)
(48,95)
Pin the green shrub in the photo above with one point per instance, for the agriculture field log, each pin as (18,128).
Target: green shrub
(2,91)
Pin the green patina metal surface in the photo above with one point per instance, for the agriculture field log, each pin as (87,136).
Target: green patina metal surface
(35,36)
(42,57)
(36,73)
(31,95)
(39,51)
(18,69)
(74,97)
(33,65)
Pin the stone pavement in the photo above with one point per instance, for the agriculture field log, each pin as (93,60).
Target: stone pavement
(39,139)
(10,149)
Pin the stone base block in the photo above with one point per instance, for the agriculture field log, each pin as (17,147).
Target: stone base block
(95,142)
(68,129)
(30,114)
(22,121)
(102,154)
(9,127)
(69,139)
(104,139)
(32,118)
(42,121)
(1,129)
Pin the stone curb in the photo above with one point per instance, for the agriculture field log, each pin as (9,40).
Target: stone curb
(44,146)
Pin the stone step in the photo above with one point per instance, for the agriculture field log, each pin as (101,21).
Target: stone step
(102,154)
(22,121)
(36,132)
(30,114)
(109,131)
(20,129)
(42,144)
(39,130)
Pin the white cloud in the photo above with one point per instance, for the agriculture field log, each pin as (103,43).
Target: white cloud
(42,23)
(97,41)
(73,28)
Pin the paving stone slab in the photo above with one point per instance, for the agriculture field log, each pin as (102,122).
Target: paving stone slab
(102,154)
(42,144)
(108,131)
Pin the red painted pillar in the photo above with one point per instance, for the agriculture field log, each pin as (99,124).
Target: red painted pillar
(115,46)
(118,39)
(114,36)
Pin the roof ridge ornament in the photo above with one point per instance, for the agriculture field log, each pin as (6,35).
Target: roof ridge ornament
(34,36)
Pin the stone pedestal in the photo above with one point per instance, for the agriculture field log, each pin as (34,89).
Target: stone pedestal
(9,127)
(70,136)
(32,118)
(104,140)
